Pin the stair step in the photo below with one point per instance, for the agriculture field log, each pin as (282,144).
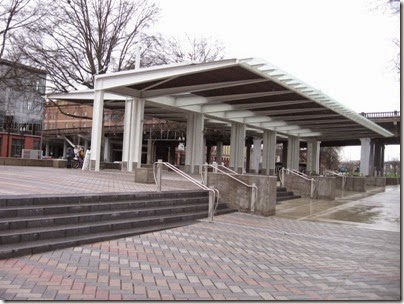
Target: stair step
(26,248)
(286,198)
(62,231)
(60,219)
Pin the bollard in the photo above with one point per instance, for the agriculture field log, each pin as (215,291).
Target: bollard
(158,174)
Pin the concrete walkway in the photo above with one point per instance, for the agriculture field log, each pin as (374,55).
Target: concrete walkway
(238,257)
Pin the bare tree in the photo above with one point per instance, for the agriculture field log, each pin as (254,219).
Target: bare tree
(330,158)
(82,38)
(158,50)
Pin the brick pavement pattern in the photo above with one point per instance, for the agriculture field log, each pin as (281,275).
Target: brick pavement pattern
(238,257)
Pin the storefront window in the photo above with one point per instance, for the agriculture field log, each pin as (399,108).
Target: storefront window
(16,147)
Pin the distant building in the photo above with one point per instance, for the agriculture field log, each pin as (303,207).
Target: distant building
(22,90)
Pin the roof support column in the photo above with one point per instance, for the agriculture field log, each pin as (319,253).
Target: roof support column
(195,144)
(269,152)
(237,145)
(365,156)
(136,135)
(293,152)
(256,157)
(219,152)
(313,157)
(126,133)
(96,131)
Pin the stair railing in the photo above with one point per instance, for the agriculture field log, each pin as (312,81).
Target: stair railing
(301,175)
(213,193)
(339,175)
(253,187)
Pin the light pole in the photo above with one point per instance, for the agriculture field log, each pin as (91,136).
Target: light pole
(8,126)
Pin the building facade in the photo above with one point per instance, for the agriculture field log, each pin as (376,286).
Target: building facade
(22,90)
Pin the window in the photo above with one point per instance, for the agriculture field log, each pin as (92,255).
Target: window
(16,147)
(67,125)
(46,126)
(36,145)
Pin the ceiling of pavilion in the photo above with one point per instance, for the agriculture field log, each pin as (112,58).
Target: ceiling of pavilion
(249,91)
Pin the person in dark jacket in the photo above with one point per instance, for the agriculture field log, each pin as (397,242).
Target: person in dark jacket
(69,157)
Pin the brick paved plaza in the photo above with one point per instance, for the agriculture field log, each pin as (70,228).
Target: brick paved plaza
(238,257)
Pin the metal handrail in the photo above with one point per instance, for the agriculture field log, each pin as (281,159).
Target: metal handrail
(213,193)
(228,169)
(301,175)
(339,175)
(253,187)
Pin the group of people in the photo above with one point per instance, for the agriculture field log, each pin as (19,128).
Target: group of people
(77,153)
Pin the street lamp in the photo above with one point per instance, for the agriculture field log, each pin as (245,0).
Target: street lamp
(8,126)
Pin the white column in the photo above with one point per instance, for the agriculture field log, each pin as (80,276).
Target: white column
(313,157)
(219,152)
(269,152)
(256,155)
(195,144)
(47,149)
(126,133)
(64,148)
(96,131)
(365,156)
(136,135)
(237,147)
(149,151)
(293,152)
(107,149)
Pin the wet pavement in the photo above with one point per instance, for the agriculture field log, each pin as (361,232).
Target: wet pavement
(347,249)
(374,209)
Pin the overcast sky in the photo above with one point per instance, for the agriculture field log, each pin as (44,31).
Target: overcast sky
(344,48)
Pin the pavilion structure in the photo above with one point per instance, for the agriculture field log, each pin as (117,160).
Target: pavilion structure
(244,96)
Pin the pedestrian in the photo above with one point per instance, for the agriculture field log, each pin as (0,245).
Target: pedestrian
(69,157)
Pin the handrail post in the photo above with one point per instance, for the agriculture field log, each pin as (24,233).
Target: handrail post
(215,167)
(158,174)
(312,188)
(205,174)
(253,197)
(211,209)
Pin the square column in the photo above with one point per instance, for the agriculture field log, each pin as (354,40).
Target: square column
(365,156)
(269,152)
(293,152)
(237,145)
(136,135)
(313,157)
(126,134)
(194,143)
(256,157)
(96,131)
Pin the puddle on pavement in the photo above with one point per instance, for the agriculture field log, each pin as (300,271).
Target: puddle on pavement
(297,209)
(361,214)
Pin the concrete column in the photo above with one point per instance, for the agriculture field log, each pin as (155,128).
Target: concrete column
(248,155)
(365,156)
(149,151)
(47,149)
(64,148)
(195,144)
(293,152)
(256,157)
(107,149)
(378,163)
(269,152)
(136,132)
(372,158)
(285,154)
(126,134)
(237,147)
(97,124)
(219,152)
(313,157)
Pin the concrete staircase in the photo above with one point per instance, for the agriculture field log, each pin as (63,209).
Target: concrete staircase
(283,195)
(31,225)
